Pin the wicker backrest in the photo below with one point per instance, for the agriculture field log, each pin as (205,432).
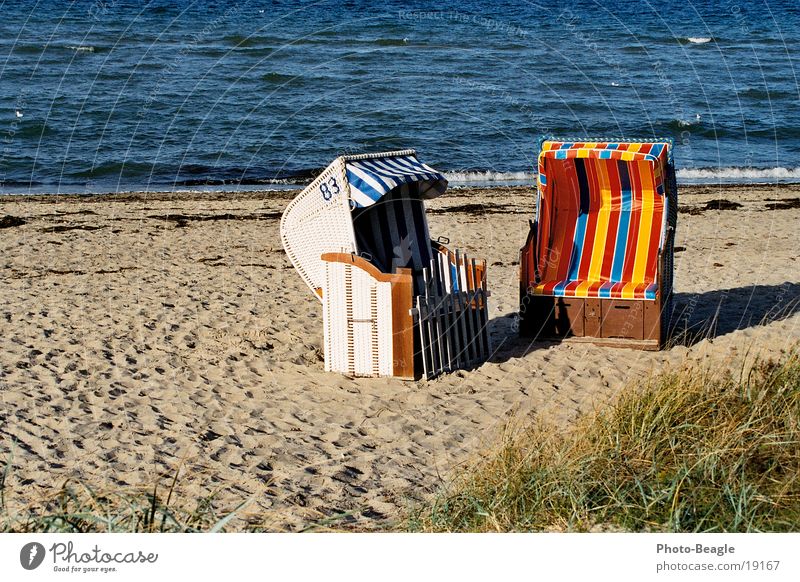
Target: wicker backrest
(318,221)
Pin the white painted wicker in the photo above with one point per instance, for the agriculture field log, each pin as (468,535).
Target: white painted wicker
(357,322)
(449,319)
(312,225)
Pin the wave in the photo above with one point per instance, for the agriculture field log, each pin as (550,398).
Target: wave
(734,174)
(258,51)
(634,49)
(242,41)
(27,49)
(138,176)
(37,49)
(752,129)
(464,177)
(697,39)
(281,79)
(201,175)
(33,128)
(759,94)
(21,183)
(188,175)
(323,37)
(675,127)
(112,169)
(81,48)
(738,174)
(391,41)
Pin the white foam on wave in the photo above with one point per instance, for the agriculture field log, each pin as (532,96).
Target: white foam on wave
(489,177)
(731,174)
(699,39)
(738,174)
(82,48)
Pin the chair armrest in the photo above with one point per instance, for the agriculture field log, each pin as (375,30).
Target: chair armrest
(528,260)
(402,276)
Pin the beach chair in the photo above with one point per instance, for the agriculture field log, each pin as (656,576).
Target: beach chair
(394,302)
(598,260)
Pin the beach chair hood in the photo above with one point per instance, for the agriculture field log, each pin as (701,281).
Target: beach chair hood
(320,219)
(371,178)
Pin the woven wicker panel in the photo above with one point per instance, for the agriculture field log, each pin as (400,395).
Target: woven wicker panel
(316,222)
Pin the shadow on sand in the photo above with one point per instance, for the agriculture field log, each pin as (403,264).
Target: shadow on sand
(695,316)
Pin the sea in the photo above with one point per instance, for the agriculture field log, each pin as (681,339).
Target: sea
(111,95)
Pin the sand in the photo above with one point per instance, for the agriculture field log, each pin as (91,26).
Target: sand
(147,334)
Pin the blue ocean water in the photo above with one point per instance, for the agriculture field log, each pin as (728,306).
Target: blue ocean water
(117,95)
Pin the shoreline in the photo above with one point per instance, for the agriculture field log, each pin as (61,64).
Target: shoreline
(289,193)
(145,334)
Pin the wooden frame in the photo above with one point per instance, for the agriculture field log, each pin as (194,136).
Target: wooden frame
(631,323)
(442,330)
(452,313)
(627,323)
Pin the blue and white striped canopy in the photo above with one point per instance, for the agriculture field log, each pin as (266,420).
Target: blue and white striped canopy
(372,178)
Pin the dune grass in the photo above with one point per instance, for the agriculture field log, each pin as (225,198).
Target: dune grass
(78,508)
(690,451)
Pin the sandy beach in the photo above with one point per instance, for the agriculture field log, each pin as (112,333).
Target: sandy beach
(145,334)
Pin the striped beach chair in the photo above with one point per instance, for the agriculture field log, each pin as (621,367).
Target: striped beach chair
(395,302)
(597,263)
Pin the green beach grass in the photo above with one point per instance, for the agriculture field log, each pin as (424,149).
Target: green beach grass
(690,451)
(77,508)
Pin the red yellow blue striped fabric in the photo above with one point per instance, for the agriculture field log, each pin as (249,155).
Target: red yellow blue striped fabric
(601,219)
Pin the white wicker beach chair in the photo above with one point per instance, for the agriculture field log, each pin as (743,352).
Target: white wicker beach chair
(395,303)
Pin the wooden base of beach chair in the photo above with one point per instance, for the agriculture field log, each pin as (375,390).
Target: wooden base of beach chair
(628,323)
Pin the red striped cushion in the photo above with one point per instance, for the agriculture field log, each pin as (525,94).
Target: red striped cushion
(607,290)
(601,219)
